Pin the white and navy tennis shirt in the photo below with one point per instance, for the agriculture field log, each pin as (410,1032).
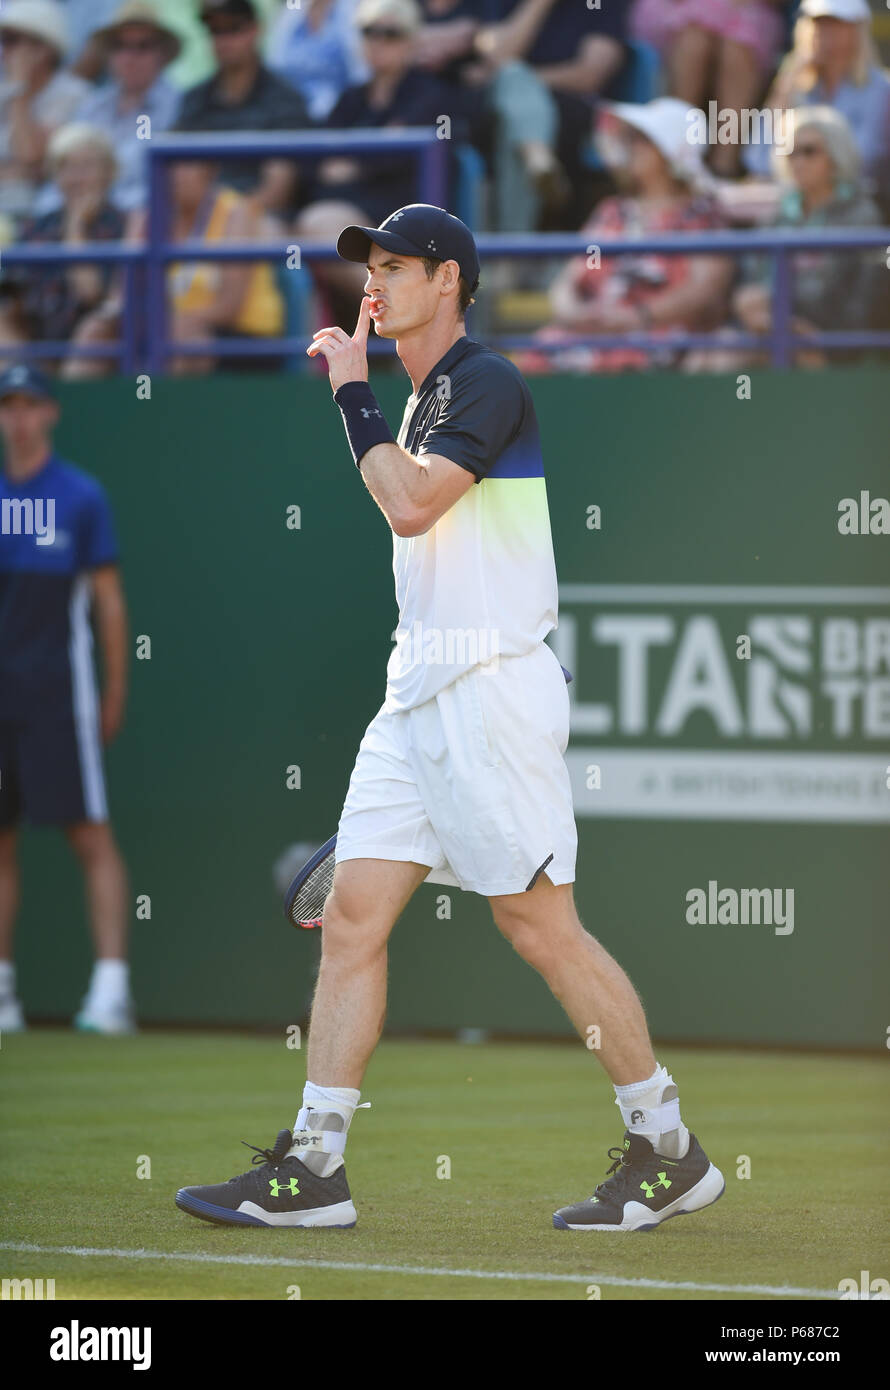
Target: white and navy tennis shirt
(55,527)
(486,568)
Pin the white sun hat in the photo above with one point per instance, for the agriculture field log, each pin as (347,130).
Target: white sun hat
(670,124)
(851,11)
(41,19)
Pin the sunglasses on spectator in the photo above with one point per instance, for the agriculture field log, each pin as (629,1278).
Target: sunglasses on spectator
(806,150)
(135,46)
(382,31)
(220,28)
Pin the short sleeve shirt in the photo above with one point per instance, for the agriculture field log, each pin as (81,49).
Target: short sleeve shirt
(271,104)
(566,26)
(54,529)
(481,583)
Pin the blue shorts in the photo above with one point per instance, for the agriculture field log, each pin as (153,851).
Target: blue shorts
(51,770)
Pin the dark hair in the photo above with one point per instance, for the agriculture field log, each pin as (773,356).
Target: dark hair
(464,293)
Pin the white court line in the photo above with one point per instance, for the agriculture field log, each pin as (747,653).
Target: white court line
(611,1280)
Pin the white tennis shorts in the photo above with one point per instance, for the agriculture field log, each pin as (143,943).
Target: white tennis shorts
(472,782)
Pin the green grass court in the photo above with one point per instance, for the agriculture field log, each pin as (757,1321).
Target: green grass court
(525,1126)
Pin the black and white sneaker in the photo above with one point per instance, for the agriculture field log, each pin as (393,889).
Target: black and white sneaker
(279,1191)
(644,1188)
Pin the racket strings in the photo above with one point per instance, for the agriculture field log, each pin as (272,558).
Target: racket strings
(309,899)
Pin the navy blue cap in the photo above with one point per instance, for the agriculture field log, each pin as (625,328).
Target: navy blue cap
(416,230)
(29,381)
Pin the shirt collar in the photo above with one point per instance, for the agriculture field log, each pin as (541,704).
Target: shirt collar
(444,365)
(255,91)
(35,478)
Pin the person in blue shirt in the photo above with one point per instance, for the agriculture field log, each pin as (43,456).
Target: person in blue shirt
(58,559)
(316,49)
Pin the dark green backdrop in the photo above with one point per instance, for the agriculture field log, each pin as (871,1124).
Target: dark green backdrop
(268,648)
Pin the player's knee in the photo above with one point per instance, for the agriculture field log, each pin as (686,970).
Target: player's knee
(8,848)
(91,840)
(349,931)
(528,940)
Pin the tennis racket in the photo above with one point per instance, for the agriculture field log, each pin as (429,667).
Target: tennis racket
(305,899)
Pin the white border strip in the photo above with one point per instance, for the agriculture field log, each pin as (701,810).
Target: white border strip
(610,1280)
(837,595)
(86,702)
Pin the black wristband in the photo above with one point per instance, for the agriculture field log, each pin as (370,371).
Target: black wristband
(362,417)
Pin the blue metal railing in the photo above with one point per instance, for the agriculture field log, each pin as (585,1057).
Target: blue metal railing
(419,142)
(424,146)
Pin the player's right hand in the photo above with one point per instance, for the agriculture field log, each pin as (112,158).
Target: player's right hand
(347,357)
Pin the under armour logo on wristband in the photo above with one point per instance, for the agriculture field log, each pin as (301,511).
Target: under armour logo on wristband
(364,420)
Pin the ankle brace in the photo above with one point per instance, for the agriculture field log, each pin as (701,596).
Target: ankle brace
(320,1129)
(652,1108)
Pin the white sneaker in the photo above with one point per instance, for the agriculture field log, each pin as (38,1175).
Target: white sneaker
(115,1017)
(12,1018)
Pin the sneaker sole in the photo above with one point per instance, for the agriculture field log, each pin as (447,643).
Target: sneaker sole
(639,1218)
(81,1025)
(339,1216)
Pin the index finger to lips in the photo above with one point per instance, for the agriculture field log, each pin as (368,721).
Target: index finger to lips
(364,319)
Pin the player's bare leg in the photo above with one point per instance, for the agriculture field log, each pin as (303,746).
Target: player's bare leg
(662,1169)
(11,1016)
(9,890)
(303,1179)
(107,1007)
(544,928)
(106,886)
(366,900)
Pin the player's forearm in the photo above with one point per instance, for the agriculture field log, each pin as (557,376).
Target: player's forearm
(111,620)
(513,37)
(596,62)
(398,482)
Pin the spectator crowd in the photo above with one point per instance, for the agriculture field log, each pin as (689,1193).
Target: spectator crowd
(558,115)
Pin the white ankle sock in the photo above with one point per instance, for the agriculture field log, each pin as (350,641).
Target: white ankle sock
(651,1108)
(326,1108)
(7,978)
(109,982)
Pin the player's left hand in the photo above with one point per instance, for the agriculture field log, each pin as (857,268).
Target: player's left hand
(347,357)
(111,717)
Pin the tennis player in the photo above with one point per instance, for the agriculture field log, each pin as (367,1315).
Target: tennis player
(460,778)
